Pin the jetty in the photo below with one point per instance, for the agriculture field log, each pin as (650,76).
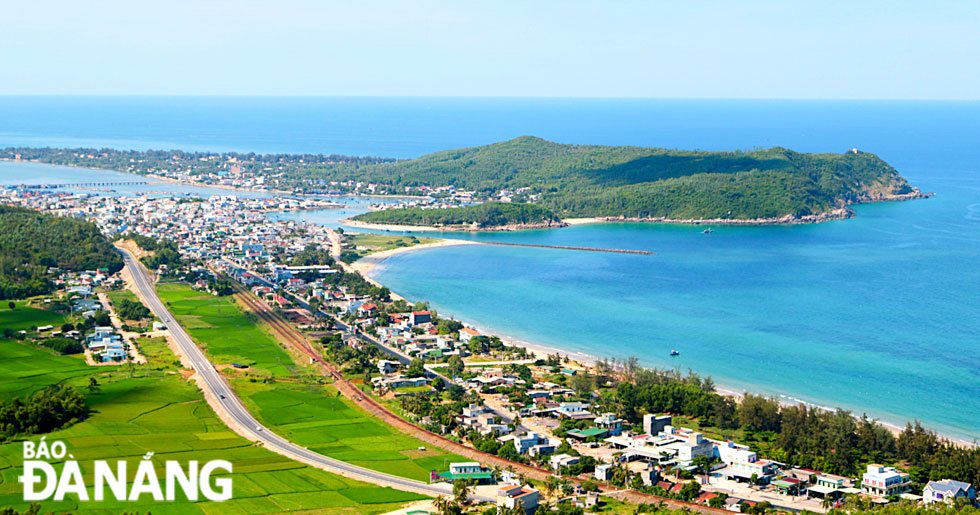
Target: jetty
(563,247)
(75,185)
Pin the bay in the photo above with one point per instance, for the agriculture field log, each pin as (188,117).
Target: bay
(878,314)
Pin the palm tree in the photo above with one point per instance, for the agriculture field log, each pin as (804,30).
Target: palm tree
(461,488)
(441,504)
(827,502)
(551,485)
(566,486)
(703,465)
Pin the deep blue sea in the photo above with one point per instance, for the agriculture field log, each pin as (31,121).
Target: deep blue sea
(878,314)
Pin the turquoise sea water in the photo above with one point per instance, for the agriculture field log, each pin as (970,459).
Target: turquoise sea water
(880,313)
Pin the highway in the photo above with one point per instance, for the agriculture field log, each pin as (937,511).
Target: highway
(226,399)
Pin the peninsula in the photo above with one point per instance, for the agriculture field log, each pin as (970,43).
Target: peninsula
(529,182)
(773,186)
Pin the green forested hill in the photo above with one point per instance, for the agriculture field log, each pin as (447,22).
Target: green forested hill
(591,180)
(31,242)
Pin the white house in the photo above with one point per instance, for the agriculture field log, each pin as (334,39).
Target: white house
(387,367)
(466,334)
(510,496)
(562,460)
(528,440)
(948,490)
(602,472)
(884,481)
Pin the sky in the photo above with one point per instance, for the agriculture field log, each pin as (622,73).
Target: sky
(896,49)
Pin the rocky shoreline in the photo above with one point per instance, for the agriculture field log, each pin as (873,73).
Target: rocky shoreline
(836,214)
(840,213)
(912,195)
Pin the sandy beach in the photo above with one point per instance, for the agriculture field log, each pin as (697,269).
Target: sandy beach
(366,264)
(389,227)
(583,221)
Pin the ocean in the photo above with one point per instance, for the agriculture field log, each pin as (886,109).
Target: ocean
(877,314)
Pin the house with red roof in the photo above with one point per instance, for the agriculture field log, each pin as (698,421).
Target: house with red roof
(419,317)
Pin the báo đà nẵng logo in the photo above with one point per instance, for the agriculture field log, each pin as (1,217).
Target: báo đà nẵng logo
(42,482)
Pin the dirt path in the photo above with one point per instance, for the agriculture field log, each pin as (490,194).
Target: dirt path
(128,336)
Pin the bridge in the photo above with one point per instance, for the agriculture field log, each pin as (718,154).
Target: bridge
(75,185)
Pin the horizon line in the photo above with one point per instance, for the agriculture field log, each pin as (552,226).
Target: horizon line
(478,97)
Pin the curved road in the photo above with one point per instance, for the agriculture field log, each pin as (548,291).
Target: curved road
(215,383)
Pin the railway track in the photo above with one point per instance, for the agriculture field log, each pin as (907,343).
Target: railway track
(293,337)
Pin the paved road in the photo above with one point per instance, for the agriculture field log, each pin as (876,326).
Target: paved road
(214,382)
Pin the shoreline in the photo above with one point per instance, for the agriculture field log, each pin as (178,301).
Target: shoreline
(171,180)
(841,213)
(588,361)
(366,264)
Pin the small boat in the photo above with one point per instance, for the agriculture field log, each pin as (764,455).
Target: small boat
(675,353)
(709,230)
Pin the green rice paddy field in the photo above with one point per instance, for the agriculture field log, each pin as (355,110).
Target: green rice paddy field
(316,417)
(156,411)
(23,317)
(312,415)
(225,332)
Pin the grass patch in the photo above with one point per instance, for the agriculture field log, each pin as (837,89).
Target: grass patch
(316,417)
(22,317)
(376,495)
(26,368)
(413,389)
(158,353)
(367,244)
(224,331)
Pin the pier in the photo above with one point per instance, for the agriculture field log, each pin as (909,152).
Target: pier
(76,185)
(563,247)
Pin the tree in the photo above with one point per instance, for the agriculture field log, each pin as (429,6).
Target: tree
(367,379)
(93,384)
(461,489)
(11,305)
(456,366)
(448,326)
(551,485)
(702,465)
(690,490)
(446,506)
(758,413)
(718,501)
(416,368)
(582,383)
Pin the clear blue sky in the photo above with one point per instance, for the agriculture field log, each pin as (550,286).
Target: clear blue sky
(604,48)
